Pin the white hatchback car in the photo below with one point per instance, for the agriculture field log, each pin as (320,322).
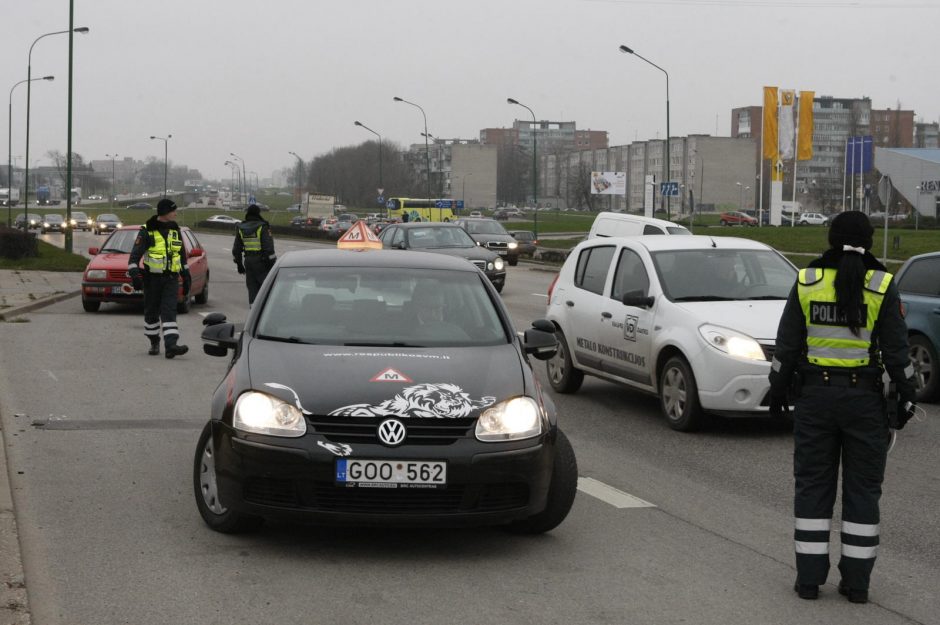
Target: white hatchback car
(692,319)
(812,219)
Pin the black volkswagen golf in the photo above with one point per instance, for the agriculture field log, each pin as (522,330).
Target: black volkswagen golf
(381,387)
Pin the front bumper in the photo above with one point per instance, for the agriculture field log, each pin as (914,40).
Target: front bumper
(487,484)
(109,292)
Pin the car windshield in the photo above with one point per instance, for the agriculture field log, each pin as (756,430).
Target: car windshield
(722,274)
(77,215)
(120,241)
(53,218)
(484,227)
(439,236)
(107,217)
(373,306)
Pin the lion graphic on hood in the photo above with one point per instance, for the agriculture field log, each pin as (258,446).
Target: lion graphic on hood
(421,401)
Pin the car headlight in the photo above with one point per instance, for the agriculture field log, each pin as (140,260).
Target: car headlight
(260,413)
(511,420)
(118,224)
(513,245)
(732,343)
(96,274)
(73,222)
(499,264)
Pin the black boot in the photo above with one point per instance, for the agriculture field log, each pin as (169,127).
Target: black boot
(855,595)
(154,348)
(176,350)
(806,591)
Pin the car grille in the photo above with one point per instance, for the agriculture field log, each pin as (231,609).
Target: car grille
(480,263)
(328,497)
(497,245)
(117,274)
(420,431)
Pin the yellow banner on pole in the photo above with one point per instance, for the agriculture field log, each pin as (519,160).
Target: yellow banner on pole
(770,123)
(804,141)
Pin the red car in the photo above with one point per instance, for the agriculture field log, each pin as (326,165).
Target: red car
(736,218)
(106,279)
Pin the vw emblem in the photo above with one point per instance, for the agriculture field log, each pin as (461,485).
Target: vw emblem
(391,432)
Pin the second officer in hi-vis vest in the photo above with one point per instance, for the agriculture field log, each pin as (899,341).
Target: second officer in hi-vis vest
(254,250)
(160,244)
(842,327)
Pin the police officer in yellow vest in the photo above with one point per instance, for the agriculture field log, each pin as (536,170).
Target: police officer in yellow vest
(160,244)
(254,242)
(842,327)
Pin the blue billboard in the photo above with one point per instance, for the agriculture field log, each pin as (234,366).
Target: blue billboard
(859,157)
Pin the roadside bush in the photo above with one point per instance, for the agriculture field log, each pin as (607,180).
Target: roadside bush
(17,244)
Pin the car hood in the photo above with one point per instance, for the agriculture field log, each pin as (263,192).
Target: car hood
(109,260)
(470,253)
(757,319)
(364,382)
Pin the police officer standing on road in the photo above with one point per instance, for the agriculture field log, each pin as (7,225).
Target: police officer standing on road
(254,242)
(841,328)
(160,244)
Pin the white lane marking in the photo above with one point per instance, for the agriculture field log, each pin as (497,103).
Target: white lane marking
(51,375)
(609,494)
(545,295)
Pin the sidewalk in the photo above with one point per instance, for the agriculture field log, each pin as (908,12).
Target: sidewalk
(21,292)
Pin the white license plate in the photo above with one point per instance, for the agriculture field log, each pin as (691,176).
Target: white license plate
(125,290)
(391,473)
(503,252)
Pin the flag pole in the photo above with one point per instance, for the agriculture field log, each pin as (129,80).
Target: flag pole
(796,156)
(845,170)
(852,179)
(760,163)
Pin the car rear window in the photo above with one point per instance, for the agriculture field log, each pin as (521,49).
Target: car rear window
(593,265)
(922,277)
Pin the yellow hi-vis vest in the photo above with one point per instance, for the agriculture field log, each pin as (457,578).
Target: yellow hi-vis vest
(251,242)
(829,340)
(164,254)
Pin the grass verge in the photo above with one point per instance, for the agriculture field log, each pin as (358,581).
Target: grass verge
(51,258)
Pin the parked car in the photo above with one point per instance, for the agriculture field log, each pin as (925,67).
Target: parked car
(53,222)
(344,222)
(918,281)
(28,220)
(736,218)
(692,319)
(140,205)
(445,238)
(762,216)
(490,234)
(526,241)
(812,219)
(223,219)
(305,223)
(81,221)
(106,279)
(475,214)
(106,222)
(435,443)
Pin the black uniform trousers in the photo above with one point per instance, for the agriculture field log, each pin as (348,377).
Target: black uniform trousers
(256,270)
(160,298)
(833,423)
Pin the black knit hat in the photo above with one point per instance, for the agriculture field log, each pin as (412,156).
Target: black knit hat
(851,228)
(165,206)
(253,211)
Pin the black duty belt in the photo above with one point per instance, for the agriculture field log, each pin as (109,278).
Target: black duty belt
(253,253)
(848,379)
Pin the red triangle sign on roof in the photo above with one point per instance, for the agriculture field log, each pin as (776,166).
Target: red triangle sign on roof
(359,236)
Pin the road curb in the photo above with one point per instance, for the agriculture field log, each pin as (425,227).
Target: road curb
(14,602)
(9,314)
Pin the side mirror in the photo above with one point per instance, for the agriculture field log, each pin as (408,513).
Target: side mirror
(402,245)
(93,251)
(636,298)
(218,338)
(196,252)
(544,325)
(540,340)
(214,319)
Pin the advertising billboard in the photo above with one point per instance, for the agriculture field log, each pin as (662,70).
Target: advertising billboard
(608,183)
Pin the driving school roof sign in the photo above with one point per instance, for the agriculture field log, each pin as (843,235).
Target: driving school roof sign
(359,236)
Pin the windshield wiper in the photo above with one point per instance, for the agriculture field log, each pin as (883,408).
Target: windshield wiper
(381,344)
(767,297)
(286,339)
(704,298)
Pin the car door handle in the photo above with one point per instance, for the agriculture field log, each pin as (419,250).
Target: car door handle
(570,303)
(606,315)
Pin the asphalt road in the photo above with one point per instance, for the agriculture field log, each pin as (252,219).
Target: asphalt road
(100,439)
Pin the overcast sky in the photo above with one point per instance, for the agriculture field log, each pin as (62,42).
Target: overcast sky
(264,78)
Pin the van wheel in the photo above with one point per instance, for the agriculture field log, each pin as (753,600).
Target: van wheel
(562,374)
(678,395)
(926,366)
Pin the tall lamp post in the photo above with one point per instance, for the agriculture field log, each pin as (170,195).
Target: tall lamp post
(244,182)
(257,184)
(165,140)
(300,177)
(668,155)
(535,172)
(29,76)
(427,151)
(238,176)
(361,125)
(112,157)
(744,190)
(10,149)
(440,158)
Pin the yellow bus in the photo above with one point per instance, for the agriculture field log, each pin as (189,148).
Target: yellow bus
(441,209)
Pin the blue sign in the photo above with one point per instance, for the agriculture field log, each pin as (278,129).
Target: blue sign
(459,203)
(669,189)
(443,204)
(858,155)
(380,200)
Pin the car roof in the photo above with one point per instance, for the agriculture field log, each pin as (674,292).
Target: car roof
(655,243)
(410,225)
(139,226)
(402,259)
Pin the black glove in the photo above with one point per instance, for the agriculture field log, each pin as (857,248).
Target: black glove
(187,281)
(778,406)
(903,414)
(239,266)
(136,278)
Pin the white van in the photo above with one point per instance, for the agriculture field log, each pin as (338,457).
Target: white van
(626,225)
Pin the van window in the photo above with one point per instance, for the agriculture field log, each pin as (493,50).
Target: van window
(652,230)
(593,265)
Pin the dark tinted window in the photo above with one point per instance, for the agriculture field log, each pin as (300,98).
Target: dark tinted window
(922,277)
(593,265)
(652,230)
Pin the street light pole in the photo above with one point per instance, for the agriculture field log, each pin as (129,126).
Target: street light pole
(361,125)
(427,152)
(535,176)
(10,149)
(29,76)
(112,157)
(165,161)
(300,177)
(440,159)
(666,164)
(244,182)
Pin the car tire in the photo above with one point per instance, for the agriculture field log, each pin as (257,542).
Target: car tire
(561,492)
(927,367)
(678,395)
(90,306)
(724,223)
(562,374)
(499,287)
(205,485)
(513,262)
(203,296)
